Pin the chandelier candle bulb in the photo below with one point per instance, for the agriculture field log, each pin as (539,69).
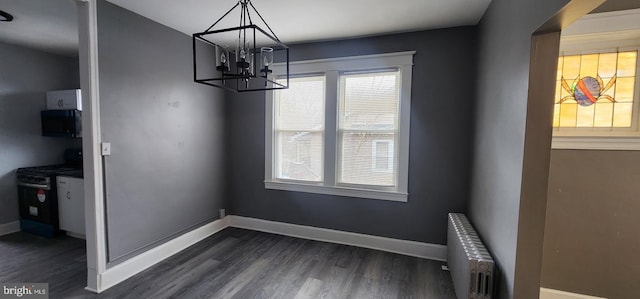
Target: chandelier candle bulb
(267,56)
(267,60)
(222,55)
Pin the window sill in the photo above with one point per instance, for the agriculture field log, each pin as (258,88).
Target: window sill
(340,191)
(621,143)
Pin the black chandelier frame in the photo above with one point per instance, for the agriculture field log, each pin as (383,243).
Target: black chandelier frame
(243,75)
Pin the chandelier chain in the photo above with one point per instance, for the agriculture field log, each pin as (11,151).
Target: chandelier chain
(265,22)
(220,19)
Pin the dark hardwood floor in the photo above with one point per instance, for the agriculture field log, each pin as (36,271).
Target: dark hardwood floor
(233,263)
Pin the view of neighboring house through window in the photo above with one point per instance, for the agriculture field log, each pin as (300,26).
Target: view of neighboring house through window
(299,129)
(383,155)
(368,126)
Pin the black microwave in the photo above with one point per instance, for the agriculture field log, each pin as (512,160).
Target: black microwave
(62,123)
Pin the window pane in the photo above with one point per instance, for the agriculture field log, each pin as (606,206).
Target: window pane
(624,89)
(588,65)
(300,156)
(607,64)
(584,118)
(627,64)
(368,120)
(622,115)
(301,107)
(604,115)
(368,159)
(299,129)
(568,112)
(369,101)
(571,67)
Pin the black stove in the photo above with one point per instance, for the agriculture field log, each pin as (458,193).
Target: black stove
(38,195)
(48,170)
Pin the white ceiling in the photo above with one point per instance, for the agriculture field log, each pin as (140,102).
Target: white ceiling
(303,21)
(51,25)
(48,25)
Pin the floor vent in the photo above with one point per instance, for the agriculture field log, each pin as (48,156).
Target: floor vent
(470,264)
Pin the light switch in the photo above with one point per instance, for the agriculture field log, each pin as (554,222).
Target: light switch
(106,148)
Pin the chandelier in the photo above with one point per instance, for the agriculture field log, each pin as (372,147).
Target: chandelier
(240,58)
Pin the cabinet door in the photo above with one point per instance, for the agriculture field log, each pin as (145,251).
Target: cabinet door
(71,204)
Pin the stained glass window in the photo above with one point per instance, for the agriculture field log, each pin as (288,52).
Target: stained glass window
(595,90)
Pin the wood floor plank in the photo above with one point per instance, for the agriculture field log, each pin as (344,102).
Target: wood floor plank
(309,289)
(234,263)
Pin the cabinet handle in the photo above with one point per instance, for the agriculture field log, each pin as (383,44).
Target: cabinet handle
(68,195)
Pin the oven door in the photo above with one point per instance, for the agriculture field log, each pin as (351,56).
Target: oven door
(38,204)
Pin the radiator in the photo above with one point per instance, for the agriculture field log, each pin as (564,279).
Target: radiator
(470,264)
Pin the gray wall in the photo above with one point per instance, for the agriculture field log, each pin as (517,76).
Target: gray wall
(439,159)
(165,175)
(591,239)
(503,73)
(25,76)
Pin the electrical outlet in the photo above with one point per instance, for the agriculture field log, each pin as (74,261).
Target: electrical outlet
(222,213)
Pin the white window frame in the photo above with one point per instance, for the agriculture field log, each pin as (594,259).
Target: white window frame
(616,31)
(332,68)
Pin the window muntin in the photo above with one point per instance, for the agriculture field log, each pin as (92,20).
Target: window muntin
(368,112)
(596,91)
(299,129)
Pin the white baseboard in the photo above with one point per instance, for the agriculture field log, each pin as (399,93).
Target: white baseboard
(556,294)
(141,262)
(9,228)
(411,248)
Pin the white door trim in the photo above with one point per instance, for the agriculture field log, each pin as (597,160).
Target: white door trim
(93,179)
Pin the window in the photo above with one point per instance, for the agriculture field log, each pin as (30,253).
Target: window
(342,127)
(596,90)
(597,98)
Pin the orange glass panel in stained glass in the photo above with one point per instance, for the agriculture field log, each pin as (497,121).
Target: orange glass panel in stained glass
(568,114)
(571,67)
(589,65)
(556,115)
(584,117)
(622,115)
(559,73)
(604,114)
(623,88)
(607,64)
(627,64)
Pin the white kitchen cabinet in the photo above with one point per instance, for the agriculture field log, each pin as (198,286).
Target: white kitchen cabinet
(71,205)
